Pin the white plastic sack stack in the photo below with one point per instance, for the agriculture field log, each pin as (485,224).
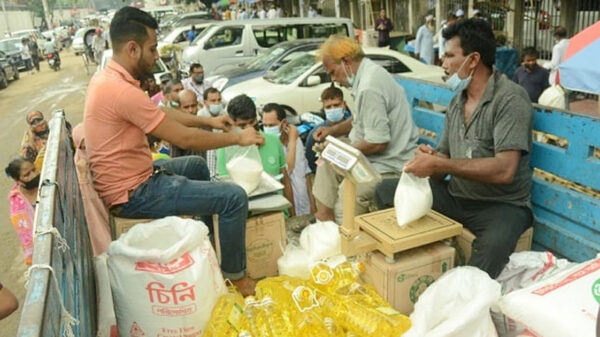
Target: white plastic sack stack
(522,270)
(413,198)
(165,278)
(318,242)
(562,305)
(456,305)
(107,321)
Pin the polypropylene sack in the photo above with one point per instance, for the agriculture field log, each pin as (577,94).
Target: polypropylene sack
(165,278)
(562,305)
(107,321)
(244,166)
(413,198)
(456,305)
(321,240)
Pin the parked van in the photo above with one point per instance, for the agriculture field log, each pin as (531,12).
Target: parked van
(235,42)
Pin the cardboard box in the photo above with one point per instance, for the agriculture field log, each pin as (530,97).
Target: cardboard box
(265,242)
(119,226)
(465,240)
(403,281)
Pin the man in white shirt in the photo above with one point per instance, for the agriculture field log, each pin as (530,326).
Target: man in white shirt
(196,81)
(441,41)
(262,14)
(272,14)
(558,53)
(424,41)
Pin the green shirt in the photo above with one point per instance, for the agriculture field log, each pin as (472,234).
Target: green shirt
(271,155)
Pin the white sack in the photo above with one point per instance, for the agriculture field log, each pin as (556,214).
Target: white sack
(165,278)
(294,262)
(456,305)
(107,321)
(321,240)
(413,198)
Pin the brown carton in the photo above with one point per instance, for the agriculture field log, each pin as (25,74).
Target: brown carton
(465,240)
(403,281)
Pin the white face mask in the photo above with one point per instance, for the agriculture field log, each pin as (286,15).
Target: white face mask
(457,84)
(351,78)
(215,109)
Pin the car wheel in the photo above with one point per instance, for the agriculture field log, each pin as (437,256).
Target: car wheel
(3,80)
(16,75)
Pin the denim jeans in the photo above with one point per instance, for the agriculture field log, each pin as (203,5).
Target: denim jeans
(183,188)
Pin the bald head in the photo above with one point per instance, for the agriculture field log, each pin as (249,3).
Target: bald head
(188,102)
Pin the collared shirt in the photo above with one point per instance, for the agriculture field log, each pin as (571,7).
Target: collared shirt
(382,115)
(117,117)
(558,54)
(424,45)
(189,83)
(534,81)
(502,121)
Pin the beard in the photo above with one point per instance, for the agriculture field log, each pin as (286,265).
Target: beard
(144,68)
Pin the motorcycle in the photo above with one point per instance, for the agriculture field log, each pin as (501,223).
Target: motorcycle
(53,61)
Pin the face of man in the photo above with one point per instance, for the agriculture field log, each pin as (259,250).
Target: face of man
(188,103)
(27,173)
(382,14)
(147,54)
(454,59)
(175,90)
(339,72)
(530,62)
(333,103)
(270,119)
(197,75)
(244,123)
(213,98)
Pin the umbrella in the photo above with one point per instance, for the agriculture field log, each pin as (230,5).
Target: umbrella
(579,70)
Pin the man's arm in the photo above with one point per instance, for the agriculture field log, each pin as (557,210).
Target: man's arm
(288,193)
(338,130)
(369,148)
(499,169)
(290,159)
(193,138)
(8,302)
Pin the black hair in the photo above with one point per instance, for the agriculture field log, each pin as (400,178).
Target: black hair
(210,90)
(475,35)
(130,23)
(451,16)
(270,107)
(13,170)
(530,51)
(194,66)
(331,93)
(560,32)
(152,140)
(241,107)
(170,84)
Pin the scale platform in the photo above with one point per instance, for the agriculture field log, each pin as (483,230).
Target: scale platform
(380,231)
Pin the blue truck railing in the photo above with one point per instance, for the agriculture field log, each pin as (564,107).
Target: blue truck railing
(61,280)
(566,219)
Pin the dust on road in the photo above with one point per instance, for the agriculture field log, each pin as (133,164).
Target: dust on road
(45,91)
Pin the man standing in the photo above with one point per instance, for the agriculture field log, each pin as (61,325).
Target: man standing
(191,34)
(424,41)
(485,148)
(26,55)
(531,76)
(213,107)
(34,50)
(383,25)
(272,13)
(262,14)
(120,158)
(196,81)
(441,41)
(98,45)
(382,126)
(558,53)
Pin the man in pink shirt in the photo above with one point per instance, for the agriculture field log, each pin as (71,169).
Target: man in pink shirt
(117,117)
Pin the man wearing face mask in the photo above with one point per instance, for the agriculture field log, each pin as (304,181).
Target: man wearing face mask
(274,121)
(34,140)
(196,81)
(129,183)
(213,107)
(171,94)
(382,125)
(531,76)
(485,148)
(338,123)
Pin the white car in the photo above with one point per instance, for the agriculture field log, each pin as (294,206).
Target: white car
(160,70)
(177,36)
(298,84)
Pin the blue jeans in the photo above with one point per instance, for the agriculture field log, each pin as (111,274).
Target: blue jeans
(183,188)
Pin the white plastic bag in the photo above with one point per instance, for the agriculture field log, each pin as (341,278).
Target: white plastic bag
(294,262)
(456,305)
(165,278)
(107,321)
(244,166)
(321,240)
(413,198)
(559,306)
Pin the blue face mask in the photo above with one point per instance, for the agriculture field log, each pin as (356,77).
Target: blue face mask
(215,109)
(334,115)
(272,130)
(457,84)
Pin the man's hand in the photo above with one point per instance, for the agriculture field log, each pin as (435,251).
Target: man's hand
(321,133)
(425,149)
(249,136)
(223,122)
(292,132)
(423,164)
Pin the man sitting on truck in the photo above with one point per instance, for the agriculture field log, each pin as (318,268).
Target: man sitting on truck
(120,161)
(485,148)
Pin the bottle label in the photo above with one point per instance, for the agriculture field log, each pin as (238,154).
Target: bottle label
(235,317)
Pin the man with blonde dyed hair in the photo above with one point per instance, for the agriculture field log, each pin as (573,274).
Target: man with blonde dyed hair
(382,126)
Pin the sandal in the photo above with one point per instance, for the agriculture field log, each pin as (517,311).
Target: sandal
(298,227)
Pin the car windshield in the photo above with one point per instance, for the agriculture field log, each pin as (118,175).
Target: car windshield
(202,34)
(10,45)
(292,70)
(262,61)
